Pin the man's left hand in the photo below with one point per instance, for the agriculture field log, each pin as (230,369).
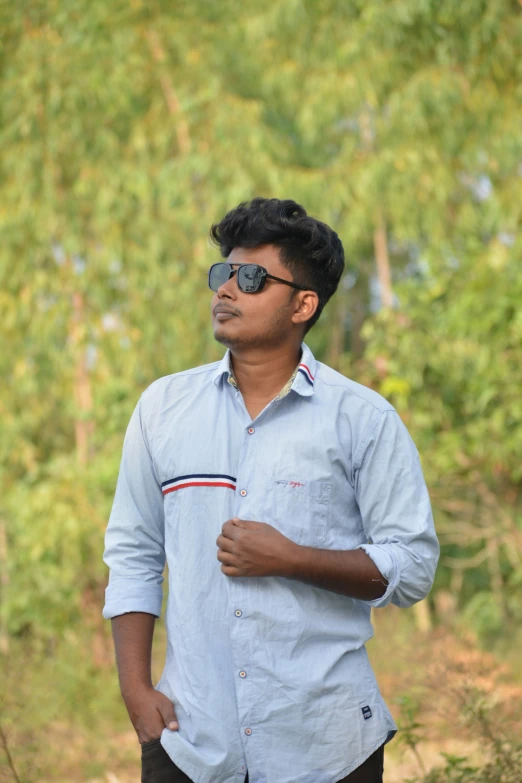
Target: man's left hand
(249,548)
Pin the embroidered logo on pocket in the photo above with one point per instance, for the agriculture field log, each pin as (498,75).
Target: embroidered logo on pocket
(298,509)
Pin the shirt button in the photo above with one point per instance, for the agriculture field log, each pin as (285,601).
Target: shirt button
(242,674)
(251,430)
(238,612)
(248,731)
(243,493)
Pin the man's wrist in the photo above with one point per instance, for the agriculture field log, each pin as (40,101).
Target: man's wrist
(296,557)
(135,688)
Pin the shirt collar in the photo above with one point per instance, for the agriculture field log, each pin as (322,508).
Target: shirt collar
(303,382)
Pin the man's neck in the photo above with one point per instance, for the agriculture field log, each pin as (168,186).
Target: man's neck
(261,376)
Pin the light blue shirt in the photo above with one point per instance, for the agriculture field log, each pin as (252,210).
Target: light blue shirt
(268,674)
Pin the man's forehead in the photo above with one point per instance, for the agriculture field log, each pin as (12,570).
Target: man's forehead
(263,254)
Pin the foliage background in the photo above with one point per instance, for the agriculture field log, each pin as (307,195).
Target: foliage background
(126,129)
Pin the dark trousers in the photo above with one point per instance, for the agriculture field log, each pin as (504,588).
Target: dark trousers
(158,767)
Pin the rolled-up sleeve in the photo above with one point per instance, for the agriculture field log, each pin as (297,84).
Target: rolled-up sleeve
(135,534)
(396,512)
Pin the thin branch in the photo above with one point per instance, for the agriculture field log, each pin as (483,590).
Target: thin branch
(467,562)
(10,761)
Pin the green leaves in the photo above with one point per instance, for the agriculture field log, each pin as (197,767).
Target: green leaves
(127,129)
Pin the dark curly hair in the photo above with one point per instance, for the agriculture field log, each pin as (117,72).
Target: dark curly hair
(308,248)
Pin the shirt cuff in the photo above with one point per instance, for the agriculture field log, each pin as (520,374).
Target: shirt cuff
(127,595)
(388,567)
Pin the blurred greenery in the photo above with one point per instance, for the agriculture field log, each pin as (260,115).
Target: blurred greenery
(503,749)
(127,128)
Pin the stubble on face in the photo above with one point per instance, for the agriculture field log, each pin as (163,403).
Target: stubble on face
(272,332)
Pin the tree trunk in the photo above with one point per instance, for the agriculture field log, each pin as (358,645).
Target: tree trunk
(336,343)
(4,583)
(380,242)
(382,259)
(83,425)
(422,616)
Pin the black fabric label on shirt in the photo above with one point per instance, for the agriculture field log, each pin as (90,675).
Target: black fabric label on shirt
(367,713)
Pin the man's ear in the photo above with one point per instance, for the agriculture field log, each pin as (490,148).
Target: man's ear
(305,306)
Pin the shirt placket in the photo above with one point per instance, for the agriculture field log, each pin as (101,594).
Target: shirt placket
(241,630)
(242,595)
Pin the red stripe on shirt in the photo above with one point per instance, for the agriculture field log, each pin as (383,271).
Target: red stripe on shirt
(200,484)
(306,368)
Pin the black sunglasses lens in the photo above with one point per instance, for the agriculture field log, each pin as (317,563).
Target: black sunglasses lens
(250,278)
(218,274)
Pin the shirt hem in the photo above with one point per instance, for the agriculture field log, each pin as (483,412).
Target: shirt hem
(194,773)
(351,768)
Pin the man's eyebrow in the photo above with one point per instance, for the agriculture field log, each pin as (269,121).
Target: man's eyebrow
(242,263)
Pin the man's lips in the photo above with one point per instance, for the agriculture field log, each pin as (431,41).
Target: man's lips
(223,312)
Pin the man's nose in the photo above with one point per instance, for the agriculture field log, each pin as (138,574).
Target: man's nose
(229,287)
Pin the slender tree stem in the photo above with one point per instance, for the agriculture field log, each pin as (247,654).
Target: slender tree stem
(10,761)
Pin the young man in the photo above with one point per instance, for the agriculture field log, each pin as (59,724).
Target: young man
(287,500)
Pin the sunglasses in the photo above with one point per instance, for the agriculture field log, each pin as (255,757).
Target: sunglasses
(251,278)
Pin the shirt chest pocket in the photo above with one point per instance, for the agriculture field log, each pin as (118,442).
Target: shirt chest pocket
(298,510)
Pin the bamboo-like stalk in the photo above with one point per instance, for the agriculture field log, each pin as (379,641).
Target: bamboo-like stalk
(171,97)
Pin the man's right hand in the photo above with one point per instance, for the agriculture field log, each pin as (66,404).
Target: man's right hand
(150,712)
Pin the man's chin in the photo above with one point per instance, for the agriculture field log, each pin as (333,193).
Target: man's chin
(223,336)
